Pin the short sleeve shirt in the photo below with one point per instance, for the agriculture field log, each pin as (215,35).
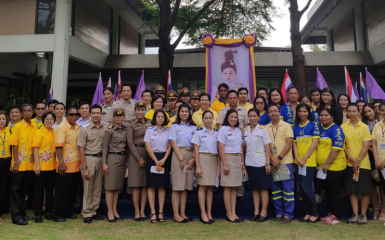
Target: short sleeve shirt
(247,106)
(331,137)
(278,136)
(129,109)
(231,139)
(255,142)
(197,118)
(82,123)
(66,136)
(183,134)
(91,138)
(242,117)
(44,140)
(354,138)
(378,134)
(22,136)
(264,119)
(159,140)
(207,142)
(218,104)
(36,124)
(303,137)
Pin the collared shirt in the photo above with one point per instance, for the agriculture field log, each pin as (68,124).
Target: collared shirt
(331,137)
(231,139)
(135,135)
(287,114)
(57,124)
(303,137)
(255,142)
(66,136)
(11,126)
(182,133)
(44,140)
(36,124)
(22,136)
(315,117)
(115,140)
(172,120)
(264,119)
(354,139)
(197,118)
(150,114)
(128,106)
(81,122)
(371,126)
(159,140)
(218,104)
(378,134)
(105,111)
(91,138)
(242,117)
(5,150)
(278,136)
(207,142)
(247,106)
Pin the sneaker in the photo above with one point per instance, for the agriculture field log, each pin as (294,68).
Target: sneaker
(326,217)
(318,198)
(278,218)
(332,220)
(353,219)
(362,220)
(286,220)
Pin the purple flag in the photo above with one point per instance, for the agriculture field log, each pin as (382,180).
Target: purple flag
(98,96)
(141,88)
(374,90)
(320,82)
(356,91)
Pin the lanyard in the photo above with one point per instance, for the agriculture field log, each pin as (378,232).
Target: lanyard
(383,134)
(37,125)
(274,135)
(3,140)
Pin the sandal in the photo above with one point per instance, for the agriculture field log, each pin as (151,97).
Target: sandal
(153,220)
(381,218)
(161,219)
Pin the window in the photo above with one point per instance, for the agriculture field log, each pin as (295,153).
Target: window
(45,16)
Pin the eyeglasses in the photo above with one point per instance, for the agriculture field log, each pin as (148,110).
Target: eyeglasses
(40,109)
(74,114)
(259,103)
(223,90)
(276,111)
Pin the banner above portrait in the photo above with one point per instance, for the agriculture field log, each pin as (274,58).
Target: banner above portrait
(230,61)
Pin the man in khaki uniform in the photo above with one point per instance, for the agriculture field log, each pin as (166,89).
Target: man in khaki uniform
(126,102)
(194,101)
(159,90)
(172,97)
(184,95)
(108,95)
(90,148)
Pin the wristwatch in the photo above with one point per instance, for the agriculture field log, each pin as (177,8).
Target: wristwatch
(280,158)
(84,168)
(267,164)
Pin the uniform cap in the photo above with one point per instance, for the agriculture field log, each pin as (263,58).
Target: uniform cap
(185,92)
(118,111)
(172,95)
(195,94)
(140,104)
(159,90)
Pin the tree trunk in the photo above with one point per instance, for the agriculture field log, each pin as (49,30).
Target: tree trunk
(166,61)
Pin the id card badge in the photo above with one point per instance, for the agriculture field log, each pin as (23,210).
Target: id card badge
(356,174)
(382,146)
(274,150)
(3,153)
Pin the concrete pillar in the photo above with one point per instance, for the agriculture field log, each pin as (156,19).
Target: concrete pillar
(360,37)
(142,43)
(115,30)
(329,44)
(61,49)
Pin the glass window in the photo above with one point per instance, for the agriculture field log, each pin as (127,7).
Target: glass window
(45,17)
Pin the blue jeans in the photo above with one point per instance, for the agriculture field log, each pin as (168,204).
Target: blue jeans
(305,183)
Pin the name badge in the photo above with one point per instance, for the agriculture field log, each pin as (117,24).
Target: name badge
(382,146)
(179,130)
(274,150)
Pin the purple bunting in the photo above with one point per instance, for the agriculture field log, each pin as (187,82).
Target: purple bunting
(374,90)
(98,96)
(320,82)
(140,89)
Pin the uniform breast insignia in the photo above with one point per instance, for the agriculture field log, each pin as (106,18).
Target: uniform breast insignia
(261,127)
(111,127)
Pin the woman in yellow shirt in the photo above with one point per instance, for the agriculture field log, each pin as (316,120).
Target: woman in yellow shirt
(5,163)
(358,177)
(44,154)
(157,103)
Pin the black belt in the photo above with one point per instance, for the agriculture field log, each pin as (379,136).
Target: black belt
(140,145)
(94,155)
(118,153)
(8,158)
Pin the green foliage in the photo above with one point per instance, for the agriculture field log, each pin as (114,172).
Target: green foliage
(15,102)
(317,48)
(239,17)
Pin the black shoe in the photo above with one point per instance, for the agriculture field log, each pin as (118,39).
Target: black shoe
(111,221)
(26,218)
(212,220)
(73,217)
(310,221)
(137,219)
(143,218)
(240,199)
(119,218)
(261,218)
(253,218)
(87,220)
(77,210)
(97,217)
(303,220)
(48,216)
(240,219)
(278,219)
(38,219)
(204,222)
(61,220)
(235,220)
(189,219)
(21,222)
(183,221)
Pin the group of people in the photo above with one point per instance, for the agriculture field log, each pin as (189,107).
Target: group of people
(316,143)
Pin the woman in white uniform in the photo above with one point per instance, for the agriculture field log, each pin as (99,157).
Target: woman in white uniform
(232,162)
(206,160)
(257,160)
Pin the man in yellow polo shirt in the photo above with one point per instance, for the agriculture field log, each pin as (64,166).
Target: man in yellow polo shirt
(221,102)
(243,94)
(40,109)
(67,166)
(281,135)
(204,100)
(22,164)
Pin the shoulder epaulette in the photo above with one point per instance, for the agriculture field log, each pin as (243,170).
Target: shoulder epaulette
(244,129)
(110,127)
(198,129)
(116,102)
(102,105)
(261,127)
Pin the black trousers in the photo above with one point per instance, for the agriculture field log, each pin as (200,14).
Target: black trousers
(44,183)
(66,188)
(334,191)
(5,180)
(19,189)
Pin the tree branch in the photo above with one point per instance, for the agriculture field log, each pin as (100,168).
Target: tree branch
(191,22)
(222,16)
(305,8)
(174,14)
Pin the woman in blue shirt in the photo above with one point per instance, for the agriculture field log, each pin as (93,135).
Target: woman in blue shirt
(275,96)
(307,100)
(260,104)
